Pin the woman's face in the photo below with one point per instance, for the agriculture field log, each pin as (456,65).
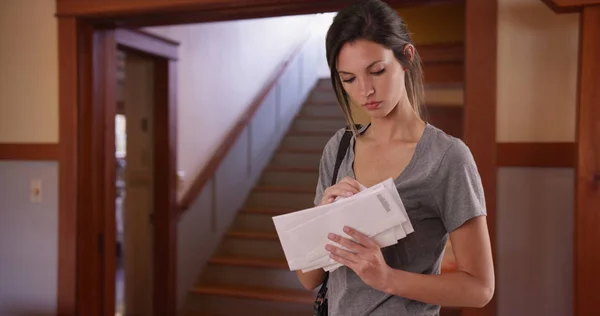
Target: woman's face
(372,77)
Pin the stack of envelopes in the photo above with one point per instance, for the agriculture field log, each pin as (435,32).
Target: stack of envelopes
(377,212)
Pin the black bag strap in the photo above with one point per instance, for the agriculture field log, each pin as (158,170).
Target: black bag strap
(342,149)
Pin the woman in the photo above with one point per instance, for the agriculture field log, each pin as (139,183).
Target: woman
(375,65)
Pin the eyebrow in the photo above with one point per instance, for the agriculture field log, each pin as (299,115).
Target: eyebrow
(370,65)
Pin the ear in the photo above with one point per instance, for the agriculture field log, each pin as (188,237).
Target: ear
(409,52)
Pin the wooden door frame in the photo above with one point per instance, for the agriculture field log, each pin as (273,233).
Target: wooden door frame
(96,225)
(83,38)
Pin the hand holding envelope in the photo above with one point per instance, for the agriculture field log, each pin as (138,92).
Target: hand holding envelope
(377,212)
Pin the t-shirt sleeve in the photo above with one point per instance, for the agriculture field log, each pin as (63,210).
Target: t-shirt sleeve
(459,192)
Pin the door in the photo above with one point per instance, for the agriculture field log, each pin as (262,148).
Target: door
(127,204)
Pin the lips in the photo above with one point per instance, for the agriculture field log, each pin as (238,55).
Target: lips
(372,105)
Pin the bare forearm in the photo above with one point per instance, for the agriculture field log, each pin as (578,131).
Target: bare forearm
(449,289)
(312,279)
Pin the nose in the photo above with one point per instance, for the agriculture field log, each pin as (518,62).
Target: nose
(366,87)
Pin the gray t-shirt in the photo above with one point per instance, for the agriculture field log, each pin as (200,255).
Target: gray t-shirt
(440,189)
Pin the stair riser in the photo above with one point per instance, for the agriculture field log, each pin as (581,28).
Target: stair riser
(290,179)
(295,201)
(296,160)
(323,84)
(253,222)
(322,110)
(311,125)
(305,142)
(261,277)
(250,248)
(233,306)
(323,97)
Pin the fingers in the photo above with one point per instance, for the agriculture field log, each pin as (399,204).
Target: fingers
(352,182)
(360,237)
(347,187)
(349,244)
(343,253)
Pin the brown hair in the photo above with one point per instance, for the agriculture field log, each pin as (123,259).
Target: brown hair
(375,21)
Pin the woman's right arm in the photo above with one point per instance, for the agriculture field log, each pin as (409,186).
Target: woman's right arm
(346,187)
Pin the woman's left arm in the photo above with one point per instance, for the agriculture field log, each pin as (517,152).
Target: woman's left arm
(470,285)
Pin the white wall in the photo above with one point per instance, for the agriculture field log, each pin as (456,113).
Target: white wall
(537,76)
(222,67)
(29,68)
(537,72)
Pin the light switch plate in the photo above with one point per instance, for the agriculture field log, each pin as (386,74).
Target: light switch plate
(35,191)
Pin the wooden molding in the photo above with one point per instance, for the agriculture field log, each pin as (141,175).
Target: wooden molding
(25,151)
(147,43)
(443,73)
(447,52)
(211,167)
(545,155)
(479,131)
(223,8)
(569,6)
(586,275)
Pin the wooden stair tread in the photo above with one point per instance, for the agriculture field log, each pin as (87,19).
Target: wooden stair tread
(309,133)
(284,189)
(252,235)
(300,151)
(259,293)
(320,117)
(291,169)
(255,262)
(266,211)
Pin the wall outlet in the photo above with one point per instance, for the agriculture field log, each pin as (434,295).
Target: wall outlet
(35,191)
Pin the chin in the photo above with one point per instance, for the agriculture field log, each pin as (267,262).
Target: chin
(379,113)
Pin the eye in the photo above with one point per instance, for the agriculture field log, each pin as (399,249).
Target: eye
(348,80)
(377,73)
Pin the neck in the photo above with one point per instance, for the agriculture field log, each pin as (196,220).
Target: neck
(401,124)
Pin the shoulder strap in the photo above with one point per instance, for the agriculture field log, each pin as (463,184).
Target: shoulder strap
(342,149)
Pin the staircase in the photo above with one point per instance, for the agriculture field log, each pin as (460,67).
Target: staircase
(248,274)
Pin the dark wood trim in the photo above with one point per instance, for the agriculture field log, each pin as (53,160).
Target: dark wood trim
(26,151)
(165,182)
(443,73)
(198,184)
(545,155)
(569,6)
(67,203)
(147,43)
(481,19)
(226,9)
(90,185)
(587,179)
(445,52)
(108,96)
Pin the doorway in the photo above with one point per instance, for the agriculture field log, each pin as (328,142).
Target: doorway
(127,161)
(134,205)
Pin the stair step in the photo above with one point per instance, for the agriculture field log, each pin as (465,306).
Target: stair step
(313,141)
(266,211)
(297,158)
(284,198)
(292,169)
(323,95)
(243,244)
(322,108)
(283,189)
(259,293)
(250,301)
(309,123)
(249,271)
(306,179)
(253,222)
